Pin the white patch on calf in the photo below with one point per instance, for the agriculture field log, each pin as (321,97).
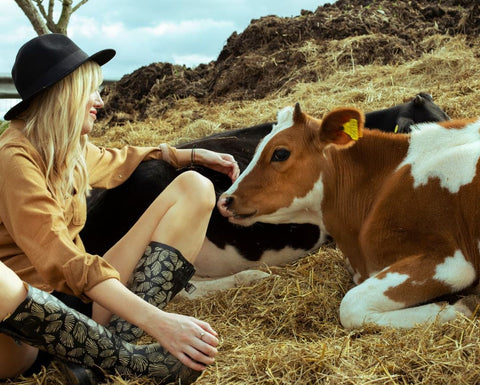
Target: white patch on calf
(367,303)
(306,209)
(456,272)
(284,121)
(451,155)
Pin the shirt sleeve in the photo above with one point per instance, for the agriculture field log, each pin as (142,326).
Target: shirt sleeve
(108,168)
(37,224)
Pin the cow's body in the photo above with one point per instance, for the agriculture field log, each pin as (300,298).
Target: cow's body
(403,209)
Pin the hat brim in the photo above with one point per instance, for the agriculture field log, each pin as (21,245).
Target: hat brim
(101,57)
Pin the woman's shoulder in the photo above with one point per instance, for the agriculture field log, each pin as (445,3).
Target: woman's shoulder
(14,145)
(13,137)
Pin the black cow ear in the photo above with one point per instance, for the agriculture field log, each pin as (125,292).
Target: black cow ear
(418,100)
(403,125)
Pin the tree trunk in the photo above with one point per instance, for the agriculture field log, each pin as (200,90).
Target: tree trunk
(62,23)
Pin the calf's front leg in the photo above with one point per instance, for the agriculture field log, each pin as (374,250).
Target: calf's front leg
(398,295)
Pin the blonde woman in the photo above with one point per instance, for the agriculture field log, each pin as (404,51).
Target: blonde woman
(47,166)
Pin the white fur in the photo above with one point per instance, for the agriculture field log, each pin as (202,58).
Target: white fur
(306,209)
(456,272)
(450,155)
(367,302)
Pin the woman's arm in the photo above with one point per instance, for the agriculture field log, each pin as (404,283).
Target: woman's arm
(109,168)
(224,163)
(180,335)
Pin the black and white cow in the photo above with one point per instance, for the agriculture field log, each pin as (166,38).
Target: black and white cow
(228,248)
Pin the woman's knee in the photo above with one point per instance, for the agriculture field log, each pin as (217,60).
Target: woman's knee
(197,187)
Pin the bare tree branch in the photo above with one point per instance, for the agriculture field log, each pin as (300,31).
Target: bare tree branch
(79,4)
(42,20)
(51,4)
(64,16)
(33,15)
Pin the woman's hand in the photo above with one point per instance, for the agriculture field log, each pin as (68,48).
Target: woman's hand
(224,163)
(192,341)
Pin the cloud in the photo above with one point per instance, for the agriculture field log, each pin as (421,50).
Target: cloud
(185,42)
(186,27)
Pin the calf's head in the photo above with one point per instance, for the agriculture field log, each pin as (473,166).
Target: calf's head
(282,183)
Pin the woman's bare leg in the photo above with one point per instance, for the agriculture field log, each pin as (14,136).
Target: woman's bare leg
(15,358)
(178,217)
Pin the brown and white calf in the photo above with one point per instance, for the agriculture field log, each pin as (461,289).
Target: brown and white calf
(404,209)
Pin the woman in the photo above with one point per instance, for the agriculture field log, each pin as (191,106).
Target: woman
(47,166)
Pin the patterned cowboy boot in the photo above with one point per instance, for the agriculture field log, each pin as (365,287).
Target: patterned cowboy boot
(45,322)
(160,274)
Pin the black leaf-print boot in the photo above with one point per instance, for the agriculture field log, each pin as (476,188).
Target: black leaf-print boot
(160,274)
(45,322)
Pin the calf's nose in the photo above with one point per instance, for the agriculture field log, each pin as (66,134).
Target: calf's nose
(224,204)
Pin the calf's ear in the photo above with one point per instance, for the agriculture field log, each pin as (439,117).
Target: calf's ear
(342,126)
(298,115)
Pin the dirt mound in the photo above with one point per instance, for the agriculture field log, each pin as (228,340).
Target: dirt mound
(275,53)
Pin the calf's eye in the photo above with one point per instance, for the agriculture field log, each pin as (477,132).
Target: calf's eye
(280,155)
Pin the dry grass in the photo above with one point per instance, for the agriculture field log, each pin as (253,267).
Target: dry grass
(285,329)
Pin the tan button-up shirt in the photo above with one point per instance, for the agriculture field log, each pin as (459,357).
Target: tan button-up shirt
(39,239)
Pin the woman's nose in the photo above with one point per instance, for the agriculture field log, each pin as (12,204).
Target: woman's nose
(98,100)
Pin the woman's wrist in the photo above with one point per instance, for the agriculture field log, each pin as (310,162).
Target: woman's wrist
(151,320)
(181,157)
(191,157)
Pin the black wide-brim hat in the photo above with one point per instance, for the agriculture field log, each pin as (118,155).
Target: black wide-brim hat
(45,60)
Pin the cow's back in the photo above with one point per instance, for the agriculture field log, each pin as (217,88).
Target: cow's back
(431,201)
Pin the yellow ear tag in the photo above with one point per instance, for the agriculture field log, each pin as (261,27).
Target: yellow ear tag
(396,129)
(351,129)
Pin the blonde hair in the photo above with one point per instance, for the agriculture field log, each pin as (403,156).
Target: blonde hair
(54,122)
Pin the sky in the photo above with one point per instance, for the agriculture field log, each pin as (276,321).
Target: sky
(147,31)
